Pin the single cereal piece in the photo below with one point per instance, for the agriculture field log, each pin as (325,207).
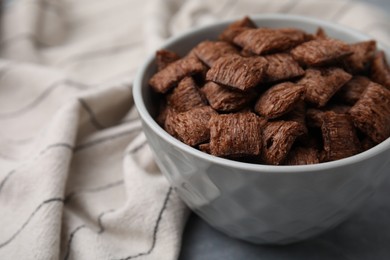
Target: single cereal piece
(278,138)
(238,72)
(351,91)
(282,66)
(279,99)
(168,77)
(192,126)
(361,58)
(371,113)
(302,156)
(235,135)
(321,52)
(339,136)
(380,70)
(267,40)
(314,116)
(323,83)
(185,96)
(209,51)
(224,99)
(164,58)
(236,28)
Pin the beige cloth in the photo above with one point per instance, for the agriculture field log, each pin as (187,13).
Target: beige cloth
(77,180)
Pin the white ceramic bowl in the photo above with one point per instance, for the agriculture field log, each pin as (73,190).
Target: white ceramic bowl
(261,203)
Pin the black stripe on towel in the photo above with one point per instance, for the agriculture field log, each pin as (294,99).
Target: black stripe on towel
(138,147)
(70,147)
(103,139)
(101,227)
(57,199)
(92,190)
(92,116)
(72,234)
(10,173)
(155,229)
(49,201)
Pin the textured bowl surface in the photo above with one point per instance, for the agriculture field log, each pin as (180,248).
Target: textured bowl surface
(260,203)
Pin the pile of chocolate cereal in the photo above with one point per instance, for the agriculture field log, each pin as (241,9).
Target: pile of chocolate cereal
(275,96)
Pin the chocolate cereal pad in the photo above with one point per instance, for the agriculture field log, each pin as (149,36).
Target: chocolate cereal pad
(276,96)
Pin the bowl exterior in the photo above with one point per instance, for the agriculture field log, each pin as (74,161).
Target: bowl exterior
(262,205)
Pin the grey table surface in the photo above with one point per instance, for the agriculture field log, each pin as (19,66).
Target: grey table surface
(365,235)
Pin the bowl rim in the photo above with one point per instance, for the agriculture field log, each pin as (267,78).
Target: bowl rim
(274,169)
